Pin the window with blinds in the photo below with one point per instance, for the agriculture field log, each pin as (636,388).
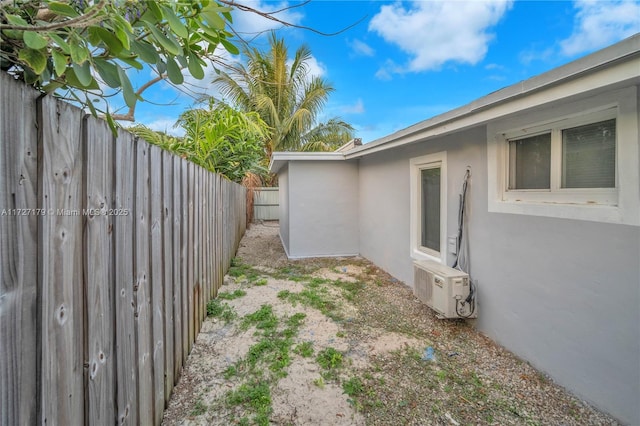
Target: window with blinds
(589,156)
(574,156)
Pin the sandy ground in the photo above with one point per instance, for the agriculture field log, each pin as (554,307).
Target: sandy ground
(297,399)
(387,322)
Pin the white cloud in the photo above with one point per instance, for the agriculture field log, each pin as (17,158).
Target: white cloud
(433,33)
(357,108)
(360,48)
(601,23)
(250,23)
(165,125)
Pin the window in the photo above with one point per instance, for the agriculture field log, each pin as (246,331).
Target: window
(428,201)
(574,159)
(430,208)
(571,160)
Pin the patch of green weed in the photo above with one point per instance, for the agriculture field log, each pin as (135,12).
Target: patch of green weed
(218,309)
(254,396)
(304,349)
(224,295)
(329,358)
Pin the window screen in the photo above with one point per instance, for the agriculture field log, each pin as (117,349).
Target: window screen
(530,162)
(430,220)
(589,156)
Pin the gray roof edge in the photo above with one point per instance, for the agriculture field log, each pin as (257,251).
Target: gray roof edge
(623,50)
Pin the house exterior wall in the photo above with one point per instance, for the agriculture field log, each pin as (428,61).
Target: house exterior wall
(283,199)
(563,294)
(323,208)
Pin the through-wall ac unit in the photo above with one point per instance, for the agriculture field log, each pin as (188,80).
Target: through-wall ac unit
(443,289)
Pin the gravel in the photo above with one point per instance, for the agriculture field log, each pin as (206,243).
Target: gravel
(385,334)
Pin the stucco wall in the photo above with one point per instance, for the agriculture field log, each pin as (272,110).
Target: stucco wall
(563,294)
(283,199)
(323,208)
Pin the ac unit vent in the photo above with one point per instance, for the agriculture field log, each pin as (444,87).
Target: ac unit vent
(443,289)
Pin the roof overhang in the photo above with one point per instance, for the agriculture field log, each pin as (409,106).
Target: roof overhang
(616,65)
(279,159)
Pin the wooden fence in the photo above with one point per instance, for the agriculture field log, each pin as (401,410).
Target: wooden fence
(110,249)
(266,204)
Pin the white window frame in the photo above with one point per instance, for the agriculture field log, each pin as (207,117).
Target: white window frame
(612,205)
(557,194)
(417,251)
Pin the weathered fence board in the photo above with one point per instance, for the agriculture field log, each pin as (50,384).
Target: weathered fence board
(100,381)
(19,325)
(168,278)
(104,282)
(125,308)
(60,263)
(142,286)
(157,279)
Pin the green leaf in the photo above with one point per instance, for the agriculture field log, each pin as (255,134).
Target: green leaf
(169,45)
(79,52)
(195,69)
(108,72)
(61,43)
(34,40)
(121,32)
(145,51)
(231,48)
(173,71)
(34,58)
(154,9)
(109,39)
(127,89)
(89,104)
(174,22)
(62,9)
(59,62)
(83,72)
(213,19)
(72,80)
(16,20)
(130,60)
(112,123)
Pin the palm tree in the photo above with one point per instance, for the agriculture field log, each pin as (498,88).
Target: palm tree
(283,94)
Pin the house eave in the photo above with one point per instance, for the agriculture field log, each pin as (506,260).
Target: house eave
(279,159)
(613,65)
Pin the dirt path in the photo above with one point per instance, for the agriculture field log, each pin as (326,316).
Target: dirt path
(340,342)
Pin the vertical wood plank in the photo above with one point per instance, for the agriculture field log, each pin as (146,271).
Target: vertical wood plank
(177,268)
(167,245)
(19,330)
(190,259)
(196,251)
(98,256)
(184,259)
(125,307)
(219,236)
(157,280)
(142,287)
(60,263)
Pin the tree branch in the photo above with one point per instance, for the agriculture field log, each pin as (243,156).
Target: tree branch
(79,21)
(130,115)
(269,15)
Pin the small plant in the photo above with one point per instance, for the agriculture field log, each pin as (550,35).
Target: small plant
(319,382)
(217,309)
(199,408)
(264,319)
(261,282)
(329,359)
(340,334)
(230,296)
(255,396)
(353,387)
(304,349)
(230,372)
(296,319)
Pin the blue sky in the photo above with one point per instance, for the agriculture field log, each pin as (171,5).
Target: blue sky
(404,62)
